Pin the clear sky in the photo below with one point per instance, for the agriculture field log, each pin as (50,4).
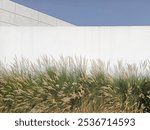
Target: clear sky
(95,12)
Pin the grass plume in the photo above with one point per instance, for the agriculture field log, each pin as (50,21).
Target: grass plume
(74,85)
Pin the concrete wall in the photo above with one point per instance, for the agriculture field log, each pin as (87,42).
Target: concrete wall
(128,43)
(15,14)
(33,42)
(131,44)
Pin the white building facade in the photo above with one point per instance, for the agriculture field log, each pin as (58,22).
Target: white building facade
(130,44)
(14,14)
(111,43)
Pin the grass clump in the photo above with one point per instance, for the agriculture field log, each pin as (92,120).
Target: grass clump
(74,85)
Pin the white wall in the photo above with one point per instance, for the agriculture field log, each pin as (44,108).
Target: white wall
(33,42)
(131,44)
(15,14)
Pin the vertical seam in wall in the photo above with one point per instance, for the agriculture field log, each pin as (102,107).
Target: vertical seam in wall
(15,13)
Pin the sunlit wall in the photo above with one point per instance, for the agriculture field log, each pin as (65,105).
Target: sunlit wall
(130,44)
(14,14)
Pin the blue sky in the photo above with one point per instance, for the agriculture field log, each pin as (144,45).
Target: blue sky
(95,12)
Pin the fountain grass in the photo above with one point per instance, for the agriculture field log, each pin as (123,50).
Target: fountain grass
(74,85)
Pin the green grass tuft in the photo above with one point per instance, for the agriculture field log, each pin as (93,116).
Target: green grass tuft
(74,85)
